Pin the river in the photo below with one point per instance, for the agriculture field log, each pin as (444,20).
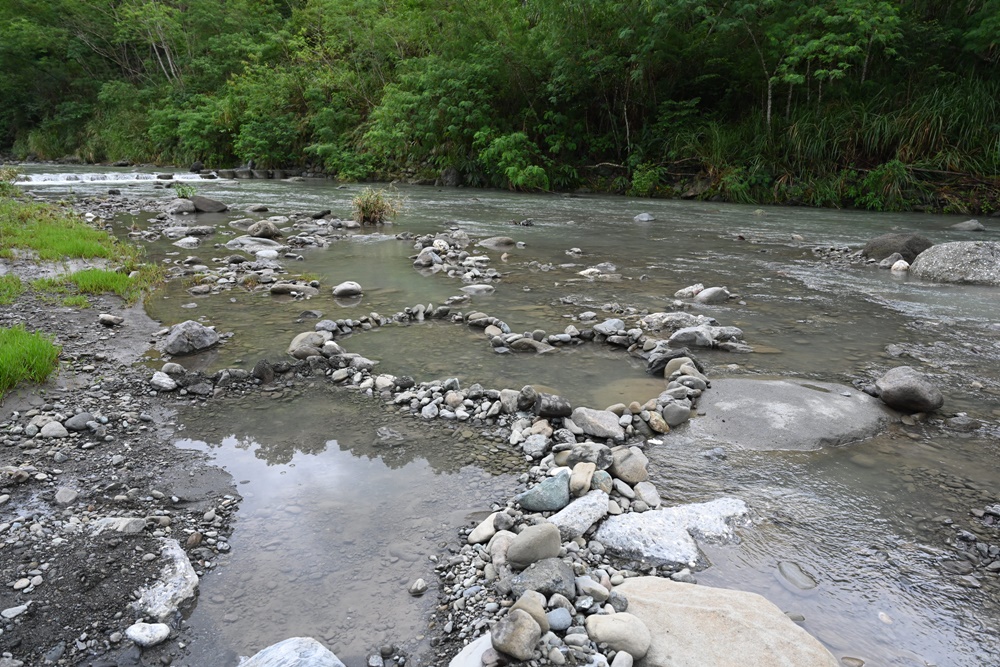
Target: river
(345,502)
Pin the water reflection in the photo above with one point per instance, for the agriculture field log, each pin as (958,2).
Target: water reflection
(340,514)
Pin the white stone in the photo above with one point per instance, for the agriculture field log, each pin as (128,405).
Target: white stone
(293,652)
(576,518)
(162,382)
(178,583)
(148,634)
(666,536)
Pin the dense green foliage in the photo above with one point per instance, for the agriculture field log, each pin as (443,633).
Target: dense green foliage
(871,103)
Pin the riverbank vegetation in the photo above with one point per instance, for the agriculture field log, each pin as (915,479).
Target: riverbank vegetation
(25,356)
(865,103)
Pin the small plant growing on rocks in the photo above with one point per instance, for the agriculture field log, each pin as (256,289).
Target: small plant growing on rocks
(374,207)
(184,190)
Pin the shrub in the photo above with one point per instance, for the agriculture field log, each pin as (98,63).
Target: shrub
(25,355)
(184,190)
(374,207)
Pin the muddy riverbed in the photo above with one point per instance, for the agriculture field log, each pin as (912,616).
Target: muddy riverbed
(344,501)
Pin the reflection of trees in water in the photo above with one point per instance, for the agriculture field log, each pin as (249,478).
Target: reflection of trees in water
(276,431)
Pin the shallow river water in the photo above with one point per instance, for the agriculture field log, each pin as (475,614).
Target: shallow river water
(340,514)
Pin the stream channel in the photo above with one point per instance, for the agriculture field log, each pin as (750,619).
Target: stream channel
(345,500)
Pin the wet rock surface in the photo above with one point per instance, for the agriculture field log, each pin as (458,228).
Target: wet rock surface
(785,414)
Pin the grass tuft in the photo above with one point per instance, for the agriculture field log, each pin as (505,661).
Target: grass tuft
(374,207)
(53,234)
(10,289)
(24,356)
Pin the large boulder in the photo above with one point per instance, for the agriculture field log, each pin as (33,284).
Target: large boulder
(189,337)
(906,244)
(908,390)
(694,626)
(180,206)
(263,229)
(533,544)
(294,652)
(665,536)
(206,205)
(966,262)
(598,423)
(785,414)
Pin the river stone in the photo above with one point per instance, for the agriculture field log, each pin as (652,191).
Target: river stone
(162,382)
(148,634)
(472,654)
(787,414)
(592,452)
(598,423)
(549,495)
(476,290)
(525,344)
(311,339)
(899,266)
(969,226)
(189,337)
(180,206)
(347,288)
(700,336)
(78,422)
(551,405)
(694,626)
(206,205)
(676,413)
(263,229)
(294,652)
(577,517)
(664,536)
(908,390)
(609,327)
(65,496)
(533,544)
(674,321)
(965,262)
(621,632)
(647,493)
(629,464)
(54,430)
(497,242)
(712,295)
(533,603)
(484,531)
(177,583)
(906,244)
(516,635)
(579,481)
(119,524)
(548,576)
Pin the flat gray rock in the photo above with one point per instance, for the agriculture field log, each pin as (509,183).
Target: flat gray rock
(791,414)
(965,262)
(694,626)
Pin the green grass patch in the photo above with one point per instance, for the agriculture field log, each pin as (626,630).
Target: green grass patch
(24,356)
(54,234)
(10,289)
(100,281)
(50,285)
(78,301)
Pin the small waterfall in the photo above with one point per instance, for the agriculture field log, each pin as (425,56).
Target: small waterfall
(110,177)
